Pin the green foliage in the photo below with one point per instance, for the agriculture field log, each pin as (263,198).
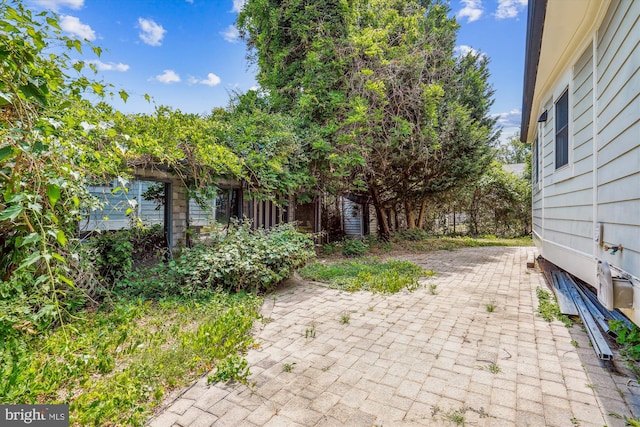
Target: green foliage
(288,367)
(412,234)
(115,252)
(345,318)
(43,172)
(113,365)
(385,108)
(499,203)
(232,368)
(244,259)
(368,274)
(354,248)
(629,340)
(514,151)
(549,310)
(443,243)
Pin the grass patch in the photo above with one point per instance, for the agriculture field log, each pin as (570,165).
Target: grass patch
(367,274)
(426,244)
(113,366)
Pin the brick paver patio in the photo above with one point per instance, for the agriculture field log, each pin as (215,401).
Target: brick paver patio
(417,358)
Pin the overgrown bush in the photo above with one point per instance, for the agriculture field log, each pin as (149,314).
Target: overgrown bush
(116,251)
(353,248)
(245,259)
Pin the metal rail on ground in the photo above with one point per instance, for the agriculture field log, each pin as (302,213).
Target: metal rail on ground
(600,345)
(565,302)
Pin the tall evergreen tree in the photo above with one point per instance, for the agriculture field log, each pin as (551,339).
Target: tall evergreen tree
(387,106)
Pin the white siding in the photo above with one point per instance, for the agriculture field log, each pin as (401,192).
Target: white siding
(113,215)
(352,218)
(568,192)
(618,120)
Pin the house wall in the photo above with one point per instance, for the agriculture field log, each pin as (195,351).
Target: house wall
(618,134)
(599,188)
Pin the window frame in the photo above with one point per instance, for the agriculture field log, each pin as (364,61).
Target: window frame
(561,130)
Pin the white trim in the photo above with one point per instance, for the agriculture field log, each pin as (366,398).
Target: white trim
(594,126)
(578,263)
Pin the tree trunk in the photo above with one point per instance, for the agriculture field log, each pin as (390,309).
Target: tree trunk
(410,214)
(384,233)
(422,213)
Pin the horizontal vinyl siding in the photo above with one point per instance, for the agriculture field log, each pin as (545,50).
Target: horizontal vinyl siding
(113,214)
(618,64)
(568,198)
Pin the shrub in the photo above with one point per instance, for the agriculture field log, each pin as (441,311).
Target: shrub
(244,260)
(354,248)
(117,251)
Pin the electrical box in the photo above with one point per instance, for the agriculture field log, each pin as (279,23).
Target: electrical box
(613,292)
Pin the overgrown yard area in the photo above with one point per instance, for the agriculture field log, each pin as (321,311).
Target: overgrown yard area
(113,365)
(145,331)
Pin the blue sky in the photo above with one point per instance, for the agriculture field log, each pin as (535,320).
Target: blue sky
(187,54)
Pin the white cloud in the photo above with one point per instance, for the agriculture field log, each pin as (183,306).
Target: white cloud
(169,76)
(151,32)
(211,80)
(472,10)
(238,5)
(463,50)
(231,34)
(510,8)
(72,25)
(511,119)
(109,66)
(56,5)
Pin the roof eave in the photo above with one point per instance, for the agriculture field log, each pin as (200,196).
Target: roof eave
(535,25)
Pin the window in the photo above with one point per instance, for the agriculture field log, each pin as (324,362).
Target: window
(534,163)
(562,130)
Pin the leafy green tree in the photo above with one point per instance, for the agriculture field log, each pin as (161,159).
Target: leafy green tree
(268,144)
(376,86)
(513,151)
(419,115)
(499,203)
(299,47)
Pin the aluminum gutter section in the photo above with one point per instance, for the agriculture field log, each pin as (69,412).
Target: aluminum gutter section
(535,23)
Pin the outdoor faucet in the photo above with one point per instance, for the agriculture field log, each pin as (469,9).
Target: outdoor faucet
(613,249)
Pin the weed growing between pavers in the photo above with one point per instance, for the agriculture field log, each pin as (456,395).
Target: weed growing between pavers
(456,416)
(493,368)
(549,310)
(367,274)
(310,332)
(345,318)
